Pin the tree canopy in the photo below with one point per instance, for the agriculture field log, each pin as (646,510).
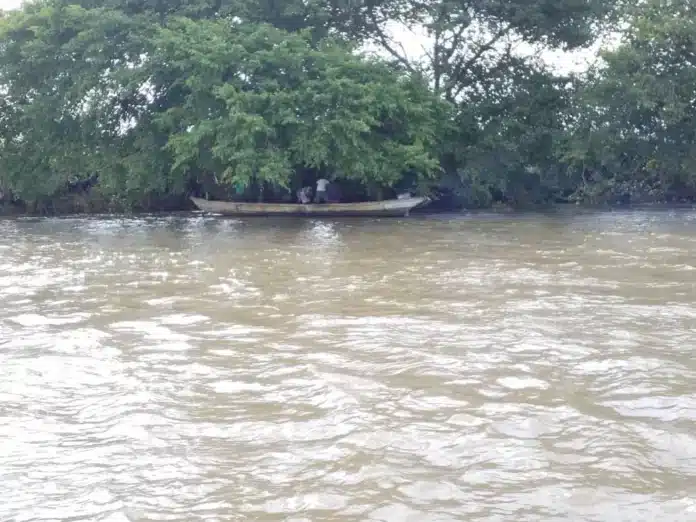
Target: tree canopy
(158,100)
(634,128)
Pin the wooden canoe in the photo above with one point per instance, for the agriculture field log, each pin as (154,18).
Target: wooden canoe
(390,207)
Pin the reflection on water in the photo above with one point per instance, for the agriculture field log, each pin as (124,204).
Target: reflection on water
(496,368)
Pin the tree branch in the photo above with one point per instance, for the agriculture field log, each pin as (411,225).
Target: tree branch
(459,69)
(486,47)
(384,41)
(455,41)
(451,96)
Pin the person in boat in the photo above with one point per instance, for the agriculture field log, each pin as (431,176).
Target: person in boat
(321,195)
(304,195)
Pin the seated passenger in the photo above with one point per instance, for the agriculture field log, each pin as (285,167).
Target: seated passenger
(304,195)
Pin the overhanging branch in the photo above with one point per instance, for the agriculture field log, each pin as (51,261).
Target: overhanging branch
(386,44)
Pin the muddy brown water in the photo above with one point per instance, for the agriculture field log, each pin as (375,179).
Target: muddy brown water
(496,368)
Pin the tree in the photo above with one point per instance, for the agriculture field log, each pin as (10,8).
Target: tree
(321,18)
(262,106)
(258,97)
(509,107)
(635,136)
(470,39)
(155,104)
(71,79)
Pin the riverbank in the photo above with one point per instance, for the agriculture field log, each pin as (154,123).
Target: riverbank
(82,204)
(94,204)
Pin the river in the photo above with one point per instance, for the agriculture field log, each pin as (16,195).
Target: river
(535,367)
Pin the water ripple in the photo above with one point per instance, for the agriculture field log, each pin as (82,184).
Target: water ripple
(475,368)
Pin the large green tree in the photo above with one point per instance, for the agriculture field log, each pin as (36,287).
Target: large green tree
(154,104)
(468,40)
(260,96)
(478,55)
(262,106)
(634,136)
(71,79)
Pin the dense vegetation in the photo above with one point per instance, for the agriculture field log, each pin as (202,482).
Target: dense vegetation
(134,104)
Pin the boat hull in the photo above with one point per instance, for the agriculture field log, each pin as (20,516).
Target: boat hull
(388,208)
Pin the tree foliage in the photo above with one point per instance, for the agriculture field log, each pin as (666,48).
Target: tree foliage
(262,104)
(256,98)
(155,105)
(636,114)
